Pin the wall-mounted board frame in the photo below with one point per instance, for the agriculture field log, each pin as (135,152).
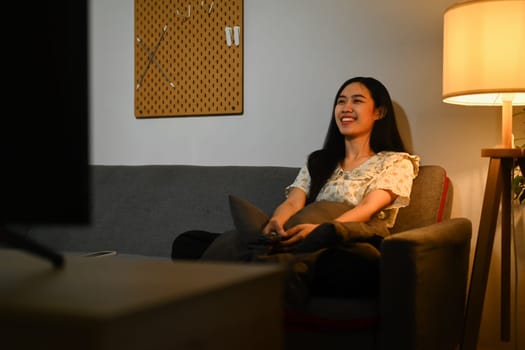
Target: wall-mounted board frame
(184,64)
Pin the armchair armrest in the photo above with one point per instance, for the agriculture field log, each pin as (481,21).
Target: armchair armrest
(424,274)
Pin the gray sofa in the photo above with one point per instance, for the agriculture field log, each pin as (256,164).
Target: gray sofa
(139,210)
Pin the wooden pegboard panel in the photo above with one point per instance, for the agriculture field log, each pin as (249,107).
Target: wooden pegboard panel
(183,65)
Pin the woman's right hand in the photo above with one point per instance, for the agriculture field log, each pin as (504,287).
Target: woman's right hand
(273,225)
(294,202)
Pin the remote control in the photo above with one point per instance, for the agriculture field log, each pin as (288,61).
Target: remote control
(272,237)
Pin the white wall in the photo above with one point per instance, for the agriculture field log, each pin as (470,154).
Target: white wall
(297,53)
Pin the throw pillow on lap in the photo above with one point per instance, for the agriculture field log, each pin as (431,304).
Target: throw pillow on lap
(249,220)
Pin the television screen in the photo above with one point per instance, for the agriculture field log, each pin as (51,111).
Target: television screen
(44,125)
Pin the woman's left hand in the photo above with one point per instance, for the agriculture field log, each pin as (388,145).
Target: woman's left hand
(296,234)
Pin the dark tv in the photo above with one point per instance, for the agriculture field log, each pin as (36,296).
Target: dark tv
(44,134)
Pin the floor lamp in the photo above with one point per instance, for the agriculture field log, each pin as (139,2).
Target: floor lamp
(484,64)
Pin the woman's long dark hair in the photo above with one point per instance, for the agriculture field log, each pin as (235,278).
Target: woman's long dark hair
(385,136)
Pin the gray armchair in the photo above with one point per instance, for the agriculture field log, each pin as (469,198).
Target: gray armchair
(424,271)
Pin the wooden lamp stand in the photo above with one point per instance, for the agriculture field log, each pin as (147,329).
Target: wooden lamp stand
(498,189)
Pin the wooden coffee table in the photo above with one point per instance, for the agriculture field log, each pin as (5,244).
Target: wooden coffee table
(119,302)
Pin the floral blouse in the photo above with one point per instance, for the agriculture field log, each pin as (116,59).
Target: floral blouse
(392,171)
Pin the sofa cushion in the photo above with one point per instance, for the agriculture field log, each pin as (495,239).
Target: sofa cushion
(430,200)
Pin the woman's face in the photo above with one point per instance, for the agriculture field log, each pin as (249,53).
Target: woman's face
(355,112)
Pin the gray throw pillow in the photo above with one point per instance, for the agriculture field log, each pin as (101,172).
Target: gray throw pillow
(249,219)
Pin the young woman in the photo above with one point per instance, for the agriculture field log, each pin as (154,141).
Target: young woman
(363,163)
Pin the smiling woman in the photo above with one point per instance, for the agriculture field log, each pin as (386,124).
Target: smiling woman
(363,165)
(382,133)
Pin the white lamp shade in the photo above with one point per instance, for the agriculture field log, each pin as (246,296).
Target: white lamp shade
(484,53)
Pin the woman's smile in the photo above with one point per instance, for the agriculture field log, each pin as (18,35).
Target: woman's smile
(348,119)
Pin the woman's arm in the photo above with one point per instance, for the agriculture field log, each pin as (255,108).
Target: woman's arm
(295,201)
(368,207)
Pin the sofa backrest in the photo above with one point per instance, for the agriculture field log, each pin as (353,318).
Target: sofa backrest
(141,209)
(430,200)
